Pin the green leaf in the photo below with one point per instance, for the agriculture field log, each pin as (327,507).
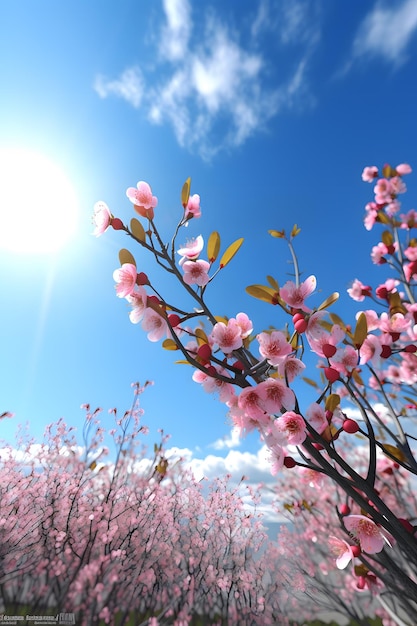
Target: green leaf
(185,192)
(213,246)
(279,234)
(169,344)
(332,402)
(264,293)
(361,331)
(126,257)
(295,230)
(273,282)
(329,301)
(230,252)
(137,229)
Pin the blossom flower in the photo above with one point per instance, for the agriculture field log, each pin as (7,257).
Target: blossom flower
(369,535)
(101,218)
(125,278)
(276,395)
(358,290)
(193,207)
(138,300)
(383,190)
(403,169)
(294,296)
(245,325)
(143,199)
(191,250)
(290,367)
(154,324)
(290,429)
(251,401)
(196,272)
(227,336)
(369,173)
(316,417)
(274,346)
(342,550)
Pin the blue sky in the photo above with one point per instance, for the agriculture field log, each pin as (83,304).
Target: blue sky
(272,107)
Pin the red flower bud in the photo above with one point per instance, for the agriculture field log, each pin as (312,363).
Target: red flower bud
(329,350)
(356,550)
(174,319)
(142,279)
(344,509)
(289,462)
(204,352)
(350,426)
(300,325)
(386,352)
(331,374)
(117,224)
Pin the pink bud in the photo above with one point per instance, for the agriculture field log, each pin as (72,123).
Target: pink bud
(289,462)
(331,374)
(329,350)
(117,224)
(344,509)
(204,352)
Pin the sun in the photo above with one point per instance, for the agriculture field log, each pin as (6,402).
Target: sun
(38,204)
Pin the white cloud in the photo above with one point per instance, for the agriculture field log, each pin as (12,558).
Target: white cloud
(233,440)
(387,31)
(176,31)
(129,86)
(217,88)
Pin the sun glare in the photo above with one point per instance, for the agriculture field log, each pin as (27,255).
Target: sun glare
(38,204)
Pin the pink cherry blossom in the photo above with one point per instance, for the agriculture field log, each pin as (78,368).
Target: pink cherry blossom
(276,395)
(154,324)
(403,168)
(370,350)
(369,535)
(192,249)
(143,199)
(290,367)
(294,296)
(125,278)
(251,401)
(274,346)
(291,429)
(383,190)
(193,207)
(358,291)
(196,272)
(369,173)
(342,550)
(138,300)
(245,325)
(101,218)
(227,336)
(316,417)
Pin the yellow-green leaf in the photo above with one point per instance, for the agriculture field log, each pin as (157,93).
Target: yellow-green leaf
(185,192)
(361,331)
(357,378)
(213,246)
(388,171)
(279,234)
(273,282)
(309,381)
(126,257)
(169,344)
(395,303)
(183,362)
(332,402)
(383,218)
(201,336)
(93,465)
(329,301)
(395,452)
(337,320)
(221,318)
(295,230)
(387,238)
(137,229)
(230,252)
(264,293)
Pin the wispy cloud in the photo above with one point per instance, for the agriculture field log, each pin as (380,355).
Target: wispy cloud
(387,31)
(129,86)
(233,440)
(219,88)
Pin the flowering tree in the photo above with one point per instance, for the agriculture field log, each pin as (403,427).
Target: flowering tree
(134,540)
(254,373)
